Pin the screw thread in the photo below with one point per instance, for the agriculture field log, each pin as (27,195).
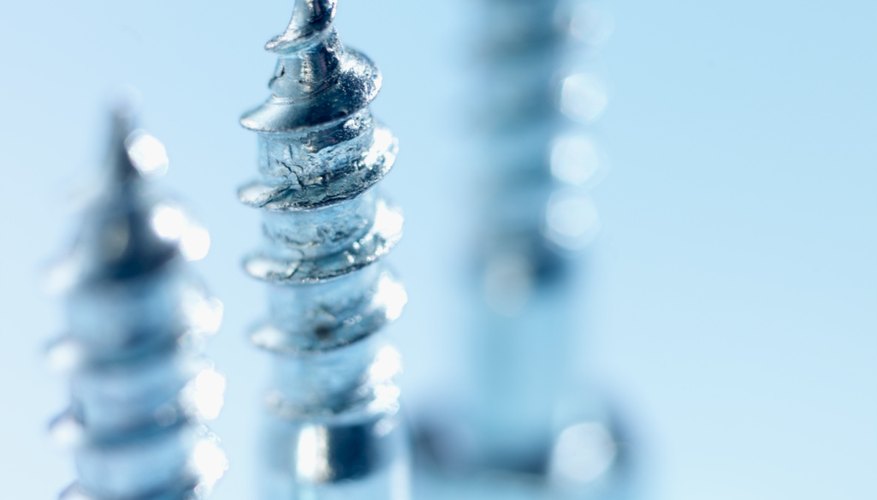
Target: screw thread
(333,399)
(140,386)
(540,155)
(541,161)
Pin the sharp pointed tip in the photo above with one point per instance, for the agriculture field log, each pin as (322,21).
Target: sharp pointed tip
(309,19)
(315,13)
(133,153)
(123,113)
(121,165)
(123,116)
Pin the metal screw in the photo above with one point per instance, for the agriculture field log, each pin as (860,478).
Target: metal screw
(537,417)
(140,386)
(332,424)
(524,415)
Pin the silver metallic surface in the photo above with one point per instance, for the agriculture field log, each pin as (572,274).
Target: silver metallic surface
(140,386)
(332,427)
(530,423)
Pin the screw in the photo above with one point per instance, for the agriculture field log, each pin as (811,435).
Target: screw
(140,387)
(333,402)
(538,416)
(533,113)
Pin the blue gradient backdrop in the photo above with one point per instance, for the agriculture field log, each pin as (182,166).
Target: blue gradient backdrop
(735,300)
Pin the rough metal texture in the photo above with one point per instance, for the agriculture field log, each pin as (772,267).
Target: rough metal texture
(140,387)
(528,415)
(332,427)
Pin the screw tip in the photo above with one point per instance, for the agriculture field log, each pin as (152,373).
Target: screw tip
(133,153)
(121,166)
(309,19)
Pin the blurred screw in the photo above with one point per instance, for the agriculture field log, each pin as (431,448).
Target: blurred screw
(332,407)
(528,415)
(140,387)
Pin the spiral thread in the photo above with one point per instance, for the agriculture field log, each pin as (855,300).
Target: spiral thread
(141,389)
(542,97)
(332,402)
(539,100)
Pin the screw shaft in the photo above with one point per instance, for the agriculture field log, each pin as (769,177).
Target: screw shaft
(534,414)
(332,406)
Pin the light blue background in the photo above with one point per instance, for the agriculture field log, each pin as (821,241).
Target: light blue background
(735,308)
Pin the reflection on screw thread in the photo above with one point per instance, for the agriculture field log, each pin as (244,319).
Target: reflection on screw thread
(537,105)
(539,102)
(332,425)
(140,388)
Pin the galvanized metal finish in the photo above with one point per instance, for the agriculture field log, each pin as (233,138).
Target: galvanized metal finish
(536,416)
(530,418)
(140,387)
(332,427)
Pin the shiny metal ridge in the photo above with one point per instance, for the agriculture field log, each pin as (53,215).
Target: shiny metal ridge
(332,426)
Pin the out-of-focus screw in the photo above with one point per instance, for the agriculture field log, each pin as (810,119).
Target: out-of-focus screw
(527,414)
(140,387)
(536,416)
(332,425)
